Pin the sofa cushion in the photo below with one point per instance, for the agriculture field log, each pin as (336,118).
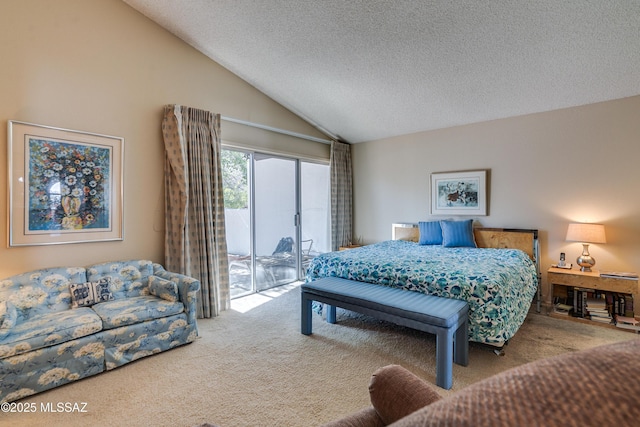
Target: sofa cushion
(41,291)
(127,311)
(8,317)
(49,329)
(128,343)
(163,288)
(89,293)
(128,278)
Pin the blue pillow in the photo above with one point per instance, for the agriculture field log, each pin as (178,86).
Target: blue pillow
(163,288)
(458,234)
(430,233)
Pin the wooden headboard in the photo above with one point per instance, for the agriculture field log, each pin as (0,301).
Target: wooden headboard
(513,238)
(525,240)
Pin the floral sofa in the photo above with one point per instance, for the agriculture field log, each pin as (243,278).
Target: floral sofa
(59,325)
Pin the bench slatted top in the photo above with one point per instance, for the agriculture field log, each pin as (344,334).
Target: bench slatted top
(429,309)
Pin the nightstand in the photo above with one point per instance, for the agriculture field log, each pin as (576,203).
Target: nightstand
(344,248)
(563,280)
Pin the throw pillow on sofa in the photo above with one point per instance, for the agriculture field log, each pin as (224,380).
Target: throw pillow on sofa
(163,288)
(8,317)
(90,293)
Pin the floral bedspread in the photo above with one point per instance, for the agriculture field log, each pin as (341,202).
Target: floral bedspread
(498,284)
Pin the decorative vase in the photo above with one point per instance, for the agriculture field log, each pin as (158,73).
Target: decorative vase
(71,208)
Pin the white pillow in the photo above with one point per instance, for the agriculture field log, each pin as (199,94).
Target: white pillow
(90,293)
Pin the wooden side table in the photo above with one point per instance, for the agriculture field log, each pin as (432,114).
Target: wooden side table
(560,277)
(344,248)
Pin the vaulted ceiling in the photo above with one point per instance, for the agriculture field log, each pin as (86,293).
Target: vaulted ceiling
(370,69)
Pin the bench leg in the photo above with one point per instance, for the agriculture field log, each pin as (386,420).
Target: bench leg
(331,313)
(444,358)
(461,345)
(305,315)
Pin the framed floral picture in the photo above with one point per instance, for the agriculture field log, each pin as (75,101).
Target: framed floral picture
(65,186)
(459,193)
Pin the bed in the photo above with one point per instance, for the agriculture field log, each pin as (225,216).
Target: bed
(499,279)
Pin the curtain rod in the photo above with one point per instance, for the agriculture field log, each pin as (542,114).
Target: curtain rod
(276,130)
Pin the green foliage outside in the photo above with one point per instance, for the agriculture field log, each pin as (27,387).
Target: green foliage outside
(234,179)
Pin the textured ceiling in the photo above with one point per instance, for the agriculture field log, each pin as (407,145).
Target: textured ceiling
(365,70)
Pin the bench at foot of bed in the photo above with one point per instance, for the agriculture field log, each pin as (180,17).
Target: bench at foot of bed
(444,317)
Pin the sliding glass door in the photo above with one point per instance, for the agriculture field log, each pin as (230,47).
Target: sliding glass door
(236,179)
(277,211)
(315,199)
(275,221)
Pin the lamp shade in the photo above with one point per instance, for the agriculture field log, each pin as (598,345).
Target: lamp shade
(586,233)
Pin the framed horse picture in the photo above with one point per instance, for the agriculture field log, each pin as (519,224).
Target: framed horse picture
(459,193)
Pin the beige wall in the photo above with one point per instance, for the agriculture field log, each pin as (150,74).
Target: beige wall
(99,66)
(546,170)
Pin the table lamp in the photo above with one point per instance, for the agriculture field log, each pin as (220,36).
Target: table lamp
(585,234)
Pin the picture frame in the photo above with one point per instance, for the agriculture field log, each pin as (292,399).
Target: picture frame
(65,186)
(459,193)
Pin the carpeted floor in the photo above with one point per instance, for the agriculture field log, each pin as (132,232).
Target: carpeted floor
(252,367)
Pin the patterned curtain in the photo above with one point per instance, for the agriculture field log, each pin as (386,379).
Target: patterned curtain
(195,239)
(341,195)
